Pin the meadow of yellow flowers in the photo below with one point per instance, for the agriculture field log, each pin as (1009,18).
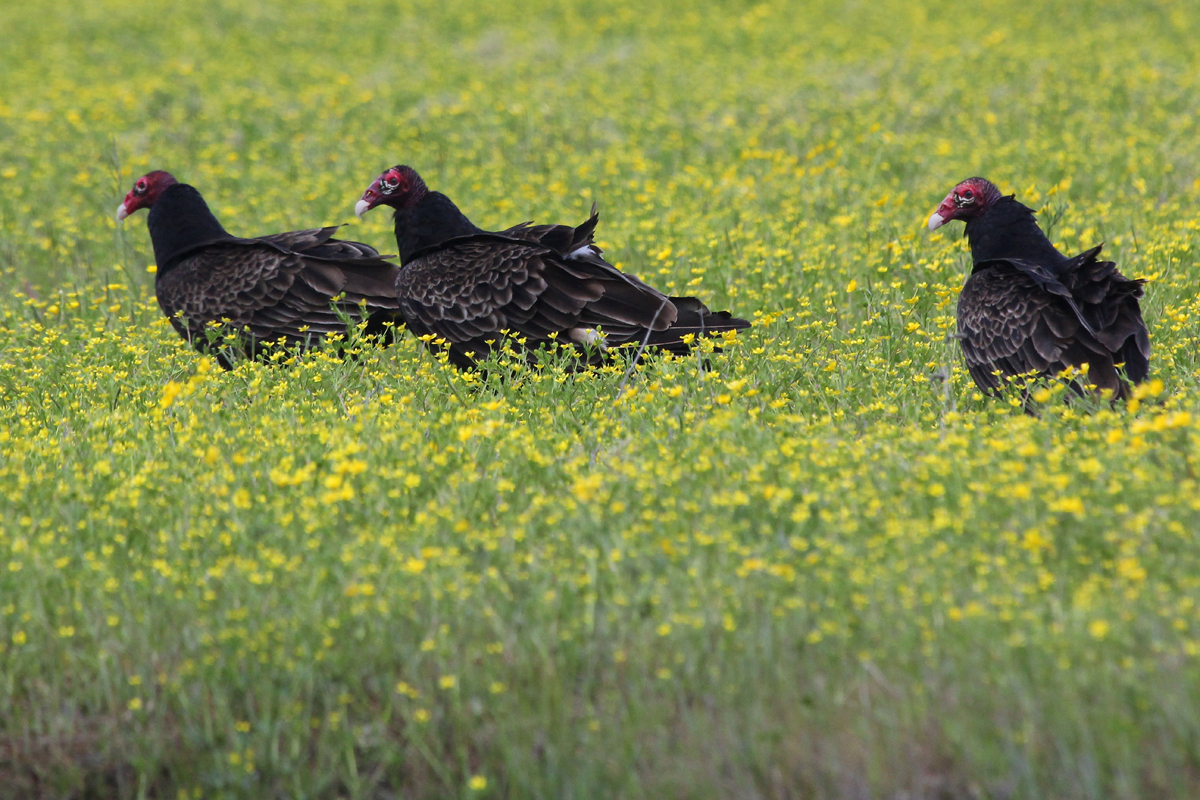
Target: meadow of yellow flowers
(816,564)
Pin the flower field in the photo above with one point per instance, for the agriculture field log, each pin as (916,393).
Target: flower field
(814,563)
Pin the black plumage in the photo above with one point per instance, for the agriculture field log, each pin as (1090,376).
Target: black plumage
(1027,308)
(268,289)
(540,283)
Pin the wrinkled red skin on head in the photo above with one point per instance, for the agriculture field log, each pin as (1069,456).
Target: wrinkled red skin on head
(969,199)
(147,189)
(399,187)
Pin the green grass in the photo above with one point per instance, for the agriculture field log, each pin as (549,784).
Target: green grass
(804,567)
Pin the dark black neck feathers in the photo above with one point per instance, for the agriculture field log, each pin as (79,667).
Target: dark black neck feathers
(179,223)
(1009,230)
(433,220)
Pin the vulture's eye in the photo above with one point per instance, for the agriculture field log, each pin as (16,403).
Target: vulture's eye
(140,188)
(390,182)
(968,195)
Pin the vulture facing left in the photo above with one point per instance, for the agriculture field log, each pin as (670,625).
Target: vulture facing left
(1027,308)
(540,283)
(272,288)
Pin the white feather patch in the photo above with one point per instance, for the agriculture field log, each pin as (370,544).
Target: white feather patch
(582,252)
(586,337)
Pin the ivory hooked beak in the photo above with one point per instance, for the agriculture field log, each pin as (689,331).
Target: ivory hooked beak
(936,221)
(361,207)
(121,213)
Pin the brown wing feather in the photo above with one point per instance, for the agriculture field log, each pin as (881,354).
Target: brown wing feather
(1009,324)
(268,291)
(563,239)
(318,243)
(481,287)
(552,279)
(1000,312)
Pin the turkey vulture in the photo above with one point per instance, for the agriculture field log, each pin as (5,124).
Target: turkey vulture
(279,287)
(539,282)
(1027,308)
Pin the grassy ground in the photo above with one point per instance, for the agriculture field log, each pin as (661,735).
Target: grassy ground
(808,569)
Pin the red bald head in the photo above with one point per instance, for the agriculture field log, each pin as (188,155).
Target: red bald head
(145,192)
(969,199)
(398,187)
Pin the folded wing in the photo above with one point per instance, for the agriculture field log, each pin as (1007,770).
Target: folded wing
(473,290)
(1016,317)
(280,287)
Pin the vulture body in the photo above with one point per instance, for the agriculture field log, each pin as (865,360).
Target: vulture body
(267,289)
(539,283)
(1027,308)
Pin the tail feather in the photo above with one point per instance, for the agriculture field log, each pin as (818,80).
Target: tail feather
(1109,304)
(372,280)
(694,319)
(695,314)
(1136,353)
